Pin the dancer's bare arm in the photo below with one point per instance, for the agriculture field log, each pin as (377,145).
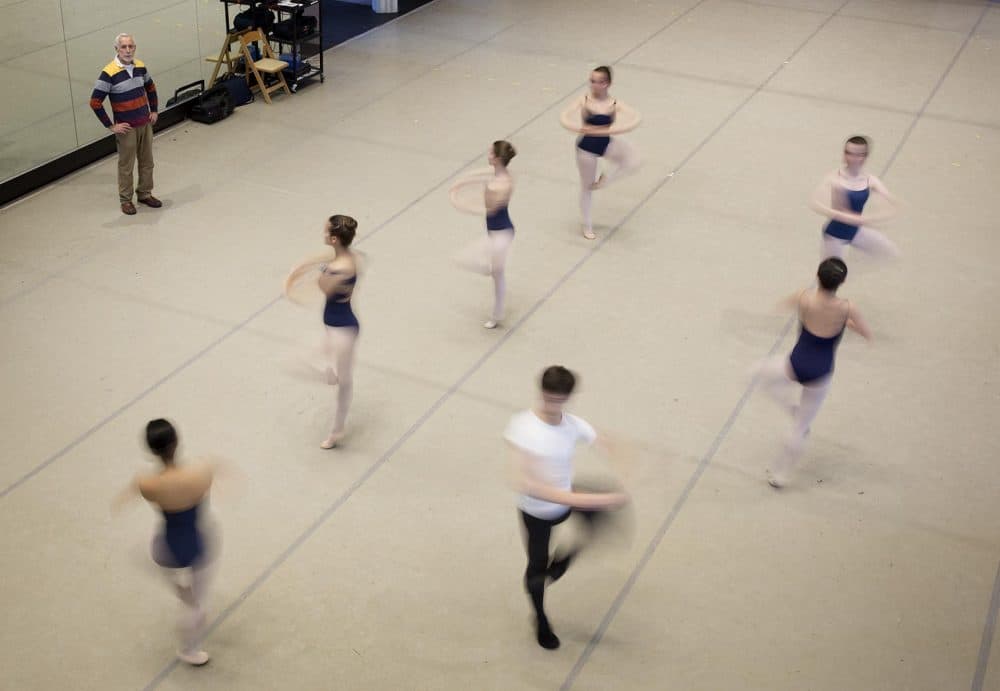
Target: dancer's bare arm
(879,188)
(792,302)
(126,496)
(620,454)
(822,202)
(571,117)
(224,476)
(627,119)
(145,486)
(333,276)
(477,178)
(857,323)
(305,266)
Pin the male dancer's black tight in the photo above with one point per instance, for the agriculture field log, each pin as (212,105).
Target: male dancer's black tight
(540,568)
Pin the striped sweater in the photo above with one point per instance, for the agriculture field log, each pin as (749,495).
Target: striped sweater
(132,98)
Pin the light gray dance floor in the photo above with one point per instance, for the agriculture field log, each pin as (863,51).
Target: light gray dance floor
(395,561)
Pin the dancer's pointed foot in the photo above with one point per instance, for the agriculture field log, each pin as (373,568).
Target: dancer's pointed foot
(491,324)
(332,440)
(331,377)
(599,183)
(185,595)
(195,658)
(589,233)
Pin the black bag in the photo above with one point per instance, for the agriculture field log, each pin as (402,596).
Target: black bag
(186,93)
(298,27)
(238,89)
(213,105)
(257,17)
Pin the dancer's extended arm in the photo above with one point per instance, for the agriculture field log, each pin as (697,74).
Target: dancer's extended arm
(527,481)
(476,178)
(857,323)
(571,117)
(627,119)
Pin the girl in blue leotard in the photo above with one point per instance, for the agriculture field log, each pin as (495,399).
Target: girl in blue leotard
(842,196)
(809,368)
(498,187)
(598,117)
(337,280)
(180,492)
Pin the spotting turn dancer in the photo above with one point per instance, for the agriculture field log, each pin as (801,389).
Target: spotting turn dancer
(842,196)
(180,492)
(542,442)
(490,256)
(598,118)
(337,280)
(823,317)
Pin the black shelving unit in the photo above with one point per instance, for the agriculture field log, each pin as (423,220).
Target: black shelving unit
(306,51)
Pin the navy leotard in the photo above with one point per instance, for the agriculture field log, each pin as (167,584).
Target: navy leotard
(499,220)
(592,144)
(812,357)
(845,231)
(338,310)
(182,537)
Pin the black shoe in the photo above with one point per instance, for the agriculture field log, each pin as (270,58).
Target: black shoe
(546,638)
(558,567)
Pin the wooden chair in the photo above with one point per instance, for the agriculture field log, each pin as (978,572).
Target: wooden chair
(266,64)
(227,56)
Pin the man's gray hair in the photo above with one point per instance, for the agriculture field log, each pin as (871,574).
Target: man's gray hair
(119,37)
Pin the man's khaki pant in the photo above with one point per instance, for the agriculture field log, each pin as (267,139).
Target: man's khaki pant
(136,143)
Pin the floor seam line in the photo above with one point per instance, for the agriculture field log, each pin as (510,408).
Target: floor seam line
(986,642)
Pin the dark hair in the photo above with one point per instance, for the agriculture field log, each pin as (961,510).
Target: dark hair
(558,380)
(343,228)
(861,140)
(831,273)
(504,151)
(161,437)
(605,70)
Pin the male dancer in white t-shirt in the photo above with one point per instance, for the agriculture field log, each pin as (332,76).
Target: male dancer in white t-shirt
(543,441)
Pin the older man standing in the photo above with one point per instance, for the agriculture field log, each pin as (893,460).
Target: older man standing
(133,103)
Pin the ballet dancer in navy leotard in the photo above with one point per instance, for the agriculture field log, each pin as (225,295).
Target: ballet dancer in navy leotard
(337,279)
(499,187)
(842,196)
(822,320)
(602,118)
(180,493)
